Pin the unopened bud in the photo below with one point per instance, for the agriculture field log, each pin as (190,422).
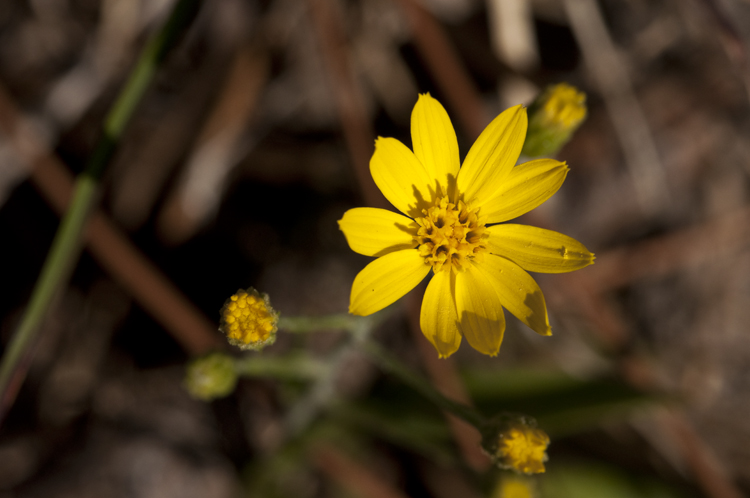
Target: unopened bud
(210,377)
(553,118)
(515,486)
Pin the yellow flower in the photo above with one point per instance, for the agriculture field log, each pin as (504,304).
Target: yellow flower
(248,320)
(513,486)
(523,449)
(516,443)
(449,226)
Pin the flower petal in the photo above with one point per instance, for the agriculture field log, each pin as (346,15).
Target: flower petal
(537,249)
(403,180)
(481,315)
(385,280)
(527,186)
(492,156)
(375,232)
(434,141)
(518,292)
(438,319)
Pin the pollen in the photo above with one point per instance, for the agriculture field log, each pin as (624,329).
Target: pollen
(248,320)
(450,235)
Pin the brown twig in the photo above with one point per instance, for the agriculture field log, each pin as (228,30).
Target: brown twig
(358,132)
(351,475)
(214,153)
(109,246)
(699,456)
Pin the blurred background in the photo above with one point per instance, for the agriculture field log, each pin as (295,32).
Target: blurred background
(255,137)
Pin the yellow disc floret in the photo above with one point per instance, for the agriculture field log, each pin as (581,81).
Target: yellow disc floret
(248,320)
(449,235)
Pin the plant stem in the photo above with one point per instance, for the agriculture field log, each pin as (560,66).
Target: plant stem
(303,324)
(289,367)
(392,365)
(323,391)
(67,242)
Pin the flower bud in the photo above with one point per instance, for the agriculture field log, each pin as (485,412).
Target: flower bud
(553,118)
(514,442)
(515,486)
(248,320)
(210,377)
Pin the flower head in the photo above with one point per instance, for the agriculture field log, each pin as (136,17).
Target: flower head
(248,320)
(514,442)
(449,227)
(210,377)
(514,486)
(554,116)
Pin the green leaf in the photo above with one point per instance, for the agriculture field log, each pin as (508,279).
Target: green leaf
(560,403)
(594,480)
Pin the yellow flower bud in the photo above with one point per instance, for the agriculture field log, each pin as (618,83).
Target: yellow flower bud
(210,377)
(248,320)
(514,442)
(553,118)
(513,486)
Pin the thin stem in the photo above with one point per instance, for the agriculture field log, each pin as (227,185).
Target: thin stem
(288,367)
(303,324)
(56,269)
(66,245)
(392,365)
(323,390)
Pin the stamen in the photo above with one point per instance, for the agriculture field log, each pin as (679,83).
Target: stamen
(450,235)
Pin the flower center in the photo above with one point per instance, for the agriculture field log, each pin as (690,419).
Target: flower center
(450,235)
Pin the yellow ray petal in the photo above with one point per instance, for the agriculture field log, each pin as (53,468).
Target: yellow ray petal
(403,180)
(492,156)
(385,280)
(527,186)
(537,249)
(518,292)
(481,314)
(375,232)
(438,319)
(434,141)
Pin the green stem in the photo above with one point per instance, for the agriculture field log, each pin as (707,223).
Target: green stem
(323,390)
(289,367)
(66,245)
(392,365)
(303,324)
